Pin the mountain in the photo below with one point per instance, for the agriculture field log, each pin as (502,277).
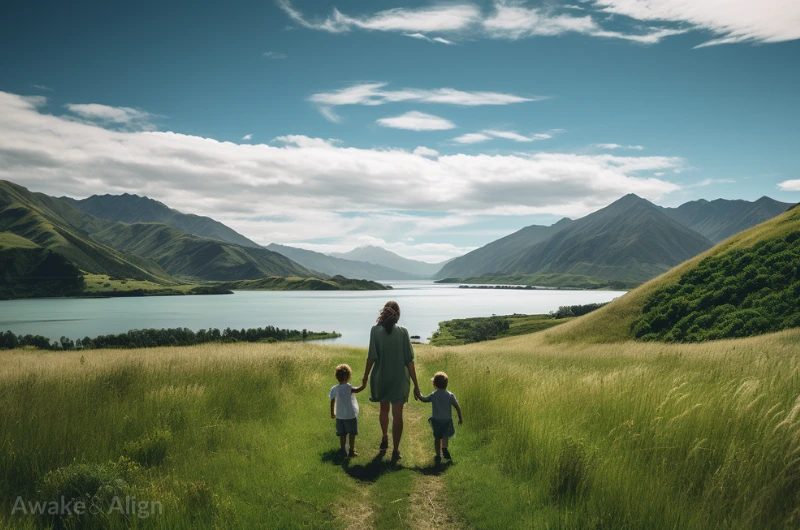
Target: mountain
(135,209)
(745,285)
(631,239)
(500,253)
(200,258)
(381,256)
(55,225)
(720,219)
(339,266)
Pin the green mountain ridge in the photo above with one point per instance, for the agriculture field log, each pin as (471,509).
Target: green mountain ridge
(755,268)
(339,266)
(131,208)
(387,258)
(721,218)
(500,253)
(198,258)
(631,239)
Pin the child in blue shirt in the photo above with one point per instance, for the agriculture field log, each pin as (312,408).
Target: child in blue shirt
(441,419)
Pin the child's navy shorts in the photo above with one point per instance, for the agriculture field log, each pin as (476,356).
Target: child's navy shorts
(346,426)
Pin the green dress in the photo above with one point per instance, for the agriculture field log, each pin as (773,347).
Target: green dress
(391,352)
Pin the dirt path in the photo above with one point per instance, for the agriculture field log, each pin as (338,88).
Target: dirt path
(422,504)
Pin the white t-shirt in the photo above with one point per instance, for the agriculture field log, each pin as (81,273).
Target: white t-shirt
(346,404)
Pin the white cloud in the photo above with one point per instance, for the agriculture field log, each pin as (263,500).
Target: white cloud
(708,182)
(303,189)
(372,94)
(619,146)
(417,121)
(488,134)
(425,151)
(421,36)
(440,18)
(472,138)
(42,87)
(247,137)
(126,116)
(506,20)
(733,20)
(275,56)
(789,185)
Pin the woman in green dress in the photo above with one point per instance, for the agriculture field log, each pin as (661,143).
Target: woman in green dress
(391,355)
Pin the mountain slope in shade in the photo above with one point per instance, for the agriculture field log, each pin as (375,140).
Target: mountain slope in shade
(381,256)
(135,209)
(501,253)
(339,266)
(191,256)
(720,219)
(631,239)
(58,226)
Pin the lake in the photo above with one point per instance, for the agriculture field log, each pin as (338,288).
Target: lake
(423,305)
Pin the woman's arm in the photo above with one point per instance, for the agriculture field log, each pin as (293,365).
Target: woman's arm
(413,373)
(367,370)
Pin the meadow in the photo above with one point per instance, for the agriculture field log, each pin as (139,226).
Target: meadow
(557,434)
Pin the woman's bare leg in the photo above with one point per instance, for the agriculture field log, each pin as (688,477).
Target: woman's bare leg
(384,419)
(397,424)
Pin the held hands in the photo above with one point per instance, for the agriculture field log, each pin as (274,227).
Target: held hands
(333,416)
(460,421)
(417,393)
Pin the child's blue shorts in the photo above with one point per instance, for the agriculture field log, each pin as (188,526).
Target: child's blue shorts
(442,428)
(346,426)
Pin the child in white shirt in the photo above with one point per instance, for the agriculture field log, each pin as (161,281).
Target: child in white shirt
(344,408)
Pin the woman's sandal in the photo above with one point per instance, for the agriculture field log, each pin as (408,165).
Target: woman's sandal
(385,444)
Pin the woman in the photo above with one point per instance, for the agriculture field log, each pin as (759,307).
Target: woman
(391,354)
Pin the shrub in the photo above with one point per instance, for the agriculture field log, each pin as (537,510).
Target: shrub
(150,450)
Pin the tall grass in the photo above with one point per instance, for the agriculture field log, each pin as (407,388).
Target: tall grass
(629,435)
(624,435)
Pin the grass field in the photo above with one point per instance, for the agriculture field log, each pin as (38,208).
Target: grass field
(556,435)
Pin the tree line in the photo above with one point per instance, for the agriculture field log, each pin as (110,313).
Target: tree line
(149,338)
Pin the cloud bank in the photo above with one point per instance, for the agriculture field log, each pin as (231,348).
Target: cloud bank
(312,190)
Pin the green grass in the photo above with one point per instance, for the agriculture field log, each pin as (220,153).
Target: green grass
(462,331)
(554,281)
(9,240)
(631,435)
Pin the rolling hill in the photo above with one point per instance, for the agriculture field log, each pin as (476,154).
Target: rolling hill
(57,226)
(751,275)
(193,257)
(339,266)
(386,258)
(500,253)
(135,209)
(631,239)
(720,219)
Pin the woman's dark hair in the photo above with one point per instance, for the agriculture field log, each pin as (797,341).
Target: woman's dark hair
(389,316)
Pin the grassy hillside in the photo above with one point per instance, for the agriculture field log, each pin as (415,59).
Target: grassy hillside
(631,240)
(720,219)
(615,322)
(468,330)
(188,256)
(28,270)
(554,281)
(57,226)
(634,435)
(498,254)
(277,283)
(135,209)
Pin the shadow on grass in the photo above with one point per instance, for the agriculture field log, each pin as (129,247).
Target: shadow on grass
(373,469)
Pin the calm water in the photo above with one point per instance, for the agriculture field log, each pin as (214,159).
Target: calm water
(423,306)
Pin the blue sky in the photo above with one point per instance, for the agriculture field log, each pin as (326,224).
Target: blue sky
(429,128)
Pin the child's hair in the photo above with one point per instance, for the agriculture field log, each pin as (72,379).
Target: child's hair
(343,373)
(440,380)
